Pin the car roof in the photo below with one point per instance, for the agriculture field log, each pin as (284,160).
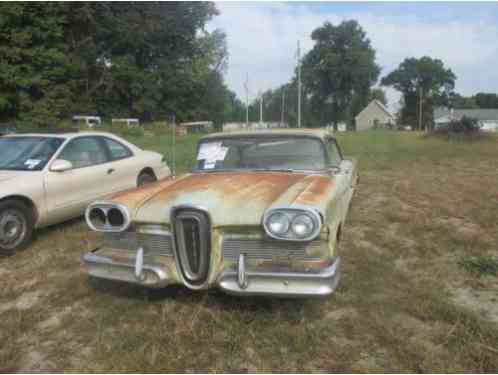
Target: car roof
(314,132)
(65,135)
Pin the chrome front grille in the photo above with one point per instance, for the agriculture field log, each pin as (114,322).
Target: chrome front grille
(269,250)
(193,244)
(153,244)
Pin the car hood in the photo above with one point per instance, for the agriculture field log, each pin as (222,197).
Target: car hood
(8,175)
(230,198)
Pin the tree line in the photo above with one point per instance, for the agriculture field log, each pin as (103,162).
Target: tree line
(156,60)
(340,76)
(148,60)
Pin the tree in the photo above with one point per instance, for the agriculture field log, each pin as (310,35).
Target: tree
(420,79)
(340,67)
(33,64)
(484,100)
(378,94)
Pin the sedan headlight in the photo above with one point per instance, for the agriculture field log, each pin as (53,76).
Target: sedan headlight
(108,217)
(292,224)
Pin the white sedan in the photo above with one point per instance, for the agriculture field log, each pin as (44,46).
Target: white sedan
(49,178)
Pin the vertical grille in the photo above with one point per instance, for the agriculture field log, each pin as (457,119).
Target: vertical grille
(193,244)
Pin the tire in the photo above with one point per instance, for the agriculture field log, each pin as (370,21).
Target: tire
(16,226)
(145,178)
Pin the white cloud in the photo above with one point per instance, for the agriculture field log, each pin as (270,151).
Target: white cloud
(262,41)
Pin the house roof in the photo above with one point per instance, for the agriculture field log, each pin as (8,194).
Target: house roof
(442,113)
(378,104)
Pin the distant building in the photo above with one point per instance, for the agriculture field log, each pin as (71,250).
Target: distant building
(235,126)
(126,121)
(487,118)
(89,121)
(194,127)
(374,116)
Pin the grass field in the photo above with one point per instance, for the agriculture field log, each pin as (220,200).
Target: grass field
(419,291)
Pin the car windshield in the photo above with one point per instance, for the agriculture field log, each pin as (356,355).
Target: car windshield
(261,153)
(27,153)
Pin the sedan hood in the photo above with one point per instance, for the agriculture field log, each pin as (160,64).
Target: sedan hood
(231,198)
(7,175)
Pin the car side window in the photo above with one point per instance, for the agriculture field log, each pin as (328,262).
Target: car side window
(84,152)
(335,156)
(117,150)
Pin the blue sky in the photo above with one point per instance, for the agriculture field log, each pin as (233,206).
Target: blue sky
(262,38)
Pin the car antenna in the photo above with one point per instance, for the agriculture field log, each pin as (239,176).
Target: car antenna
(173,171)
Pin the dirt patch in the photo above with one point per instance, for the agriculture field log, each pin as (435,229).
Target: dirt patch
(482,302)
(464,228)
(36,361)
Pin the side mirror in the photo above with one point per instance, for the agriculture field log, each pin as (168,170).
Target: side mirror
(61,165)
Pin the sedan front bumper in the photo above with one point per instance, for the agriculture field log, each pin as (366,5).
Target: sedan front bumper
(239,281)
(313,283)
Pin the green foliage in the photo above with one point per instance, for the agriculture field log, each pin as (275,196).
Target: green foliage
(484,100)
(339,70)
(33,64)
(424,77)
(480,265)
(147,60)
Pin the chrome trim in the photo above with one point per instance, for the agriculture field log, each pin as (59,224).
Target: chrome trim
(183,279)
(282,284)
(241,272)
(104,267)
(106,206)
(297,209)
(270,249)
(139,265)
(152,244)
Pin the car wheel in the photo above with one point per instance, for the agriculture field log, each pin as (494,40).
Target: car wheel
(16,226)
(145,178)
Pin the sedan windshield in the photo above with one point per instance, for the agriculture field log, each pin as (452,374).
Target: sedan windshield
(27,153)
(261,153)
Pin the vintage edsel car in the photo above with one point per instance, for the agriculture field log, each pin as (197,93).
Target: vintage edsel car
(260,214)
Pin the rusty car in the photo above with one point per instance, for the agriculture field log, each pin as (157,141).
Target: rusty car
(261,213)
(50,177)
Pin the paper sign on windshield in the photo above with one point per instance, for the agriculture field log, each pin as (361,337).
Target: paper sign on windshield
(32,163)
(211,153)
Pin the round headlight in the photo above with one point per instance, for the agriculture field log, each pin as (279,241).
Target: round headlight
(278,223)
(97,217)
(116,217)
(302,226)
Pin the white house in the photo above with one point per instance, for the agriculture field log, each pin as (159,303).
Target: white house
(487,118)
(375,115)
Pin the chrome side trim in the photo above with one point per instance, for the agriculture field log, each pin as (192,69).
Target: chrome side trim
(282,284)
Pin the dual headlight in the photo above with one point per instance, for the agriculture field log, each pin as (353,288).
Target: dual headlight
(292,224)
(107,217)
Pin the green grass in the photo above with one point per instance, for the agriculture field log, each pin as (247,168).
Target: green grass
(423,205)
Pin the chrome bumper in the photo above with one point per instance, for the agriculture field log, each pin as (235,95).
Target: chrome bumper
(314,283)
(150,275)
(281,284)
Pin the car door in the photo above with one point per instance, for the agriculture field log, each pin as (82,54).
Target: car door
(125,165)
(69,192)
(343,175)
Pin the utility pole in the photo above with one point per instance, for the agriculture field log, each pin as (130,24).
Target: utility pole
(246,86)
(298,85)
(260,107)
(420,108)
(282,119)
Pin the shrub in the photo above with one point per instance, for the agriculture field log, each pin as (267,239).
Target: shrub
(466,125)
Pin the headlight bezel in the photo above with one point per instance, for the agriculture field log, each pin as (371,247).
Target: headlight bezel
(292,213)
(105,207)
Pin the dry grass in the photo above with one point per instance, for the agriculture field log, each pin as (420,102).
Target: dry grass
(405,303)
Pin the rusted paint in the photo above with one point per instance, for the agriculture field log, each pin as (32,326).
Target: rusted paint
(232,198)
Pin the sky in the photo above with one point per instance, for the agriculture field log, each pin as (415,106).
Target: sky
(262,39)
